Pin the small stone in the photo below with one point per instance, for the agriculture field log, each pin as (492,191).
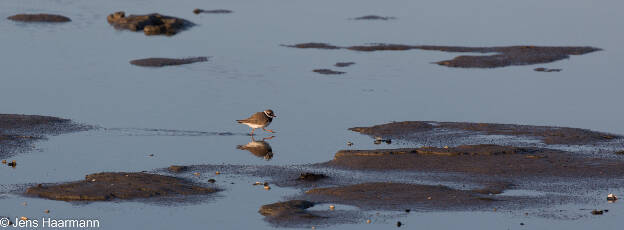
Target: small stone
(4,162)
(24,218)
(521,223)
(197,11)
(349,143)
(212,180)
(47,211)
(266,187)
(257,183)
(25,204)
(597,212)
(151,155)
(407,210)
(332,207)
(611,197)
(446,147)
(399,223)
(217,172)
(377,142)
(388,141)
(368,221)
(428,198)
(196,174)
(265,183)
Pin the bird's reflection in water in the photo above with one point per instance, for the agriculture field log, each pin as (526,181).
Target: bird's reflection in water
(258,148)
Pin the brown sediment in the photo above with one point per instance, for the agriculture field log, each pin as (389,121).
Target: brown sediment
(548,134)
(160,62)
(19,132)
(288,209)
(39,18)
(504,55)
(327,71)
(392,196)
(150,24)
(119,185)
(492,160)
(344,64)
(542,69)
(218,11)
(620,152)
(373,17)
(177,168)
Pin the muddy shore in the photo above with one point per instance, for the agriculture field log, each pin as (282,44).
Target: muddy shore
(19,132)
(160,62)
(39,18)
(150,24)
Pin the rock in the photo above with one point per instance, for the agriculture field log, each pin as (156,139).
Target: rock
(611,197)
(597,212)
(374,17)
(39,18)
(311,177)
(119,185)
(150,24)
(160,62)
(219,11)
(344,64)
(327,71)
(178,168)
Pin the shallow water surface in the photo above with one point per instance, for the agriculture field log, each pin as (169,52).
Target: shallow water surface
(186,114)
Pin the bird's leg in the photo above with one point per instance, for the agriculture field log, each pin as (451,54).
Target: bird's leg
(268,130)
(268,138)
(252,130)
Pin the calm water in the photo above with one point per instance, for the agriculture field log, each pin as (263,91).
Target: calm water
(80,70)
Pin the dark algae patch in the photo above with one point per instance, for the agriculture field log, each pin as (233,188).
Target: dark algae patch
(548,134)
(218,11)
(39,18)
(118,185)
(311,177)
(373,17)
(150,24)
(19,132)
(328,72)
(501,56)
(160,62)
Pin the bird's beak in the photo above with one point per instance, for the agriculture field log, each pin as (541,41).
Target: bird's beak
(274,116)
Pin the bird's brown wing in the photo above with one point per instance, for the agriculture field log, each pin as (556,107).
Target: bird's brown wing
(256,118)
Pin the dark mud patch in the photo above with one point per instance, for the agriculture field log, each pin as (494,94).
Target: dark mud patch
(374,17)
(178,168)
(504,162)
(328,72)
(401,196)
(120,185)
(218,11)
(502,55)
(548,134)
(295,213)
(542,69)
(313,45)
(39,18)
(344,64)
(620,152)
(19,132)
(150,24)
(311,177)
(160,62)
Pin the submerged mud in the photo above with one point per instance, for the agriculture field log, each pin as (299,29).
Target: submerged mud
(374,17)
(218,11)
(39,18)
(160,62)
(344,64)
(548,134)
(328,72)
(502,55)
(119,185)
(150,24)
(19,132)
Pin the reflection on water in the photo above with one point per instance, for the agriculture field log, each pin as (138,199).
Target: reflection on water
(259,148)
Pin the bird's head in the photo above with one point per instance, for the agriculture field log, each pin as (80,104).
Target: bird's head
(270,113)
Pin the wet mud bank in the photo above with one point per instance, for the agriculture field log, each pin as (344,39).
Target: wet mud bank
(502,56)
(161,62)
(328,72)
(410,131)
(119,185)
(218,11)
(39,18)
(150,24)
(19,132)
(374,17)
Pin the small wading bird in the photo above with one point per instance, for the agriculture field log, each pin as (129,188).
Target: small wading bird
(259,120)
